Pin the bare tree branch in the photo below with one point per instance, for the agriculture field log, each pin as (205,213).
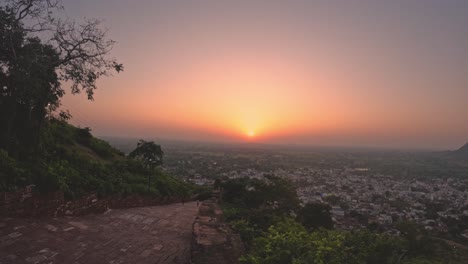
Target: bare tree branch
(83,48)
(33,9)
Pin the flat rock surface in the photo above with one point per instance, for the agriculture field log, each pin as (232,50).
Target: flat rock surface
(159,234)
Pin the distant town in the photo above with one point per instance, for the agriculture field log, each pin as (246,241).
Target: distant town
(359,197)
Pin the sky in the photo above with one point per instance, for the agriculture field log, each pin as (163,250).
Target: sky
(340,73)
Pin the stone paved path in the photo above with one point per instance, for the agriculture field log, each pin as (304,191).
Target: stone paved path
(160,234)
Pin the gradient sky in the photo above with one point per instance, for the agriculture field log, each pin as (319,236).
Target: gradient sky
(370,73)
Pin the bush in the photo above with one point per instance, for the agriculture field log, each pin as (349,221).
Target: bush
(102,148)
(12,175)
(315,215)
(289,242)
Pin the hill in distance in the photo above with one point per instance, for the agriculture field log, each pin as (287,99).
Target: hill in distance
(461,153)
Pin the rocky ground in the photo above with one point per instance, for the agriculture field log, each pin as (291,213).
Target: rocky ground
(160,234)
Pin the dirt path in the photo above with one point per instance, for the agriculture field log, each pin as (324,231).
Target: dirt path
(455,244)
(159,234)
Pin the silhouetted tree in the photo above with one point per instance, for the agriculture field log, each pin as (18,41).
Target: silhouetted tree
(150,154)
(37,53)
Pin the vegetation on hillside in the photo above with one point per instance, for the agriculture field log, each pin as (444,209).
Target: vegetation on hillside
(277,230)
(73,161)
(38,52)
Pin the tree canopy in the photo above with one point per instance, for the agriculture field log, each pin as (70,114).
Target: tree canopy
(149,153)
(315,215)
(38,52)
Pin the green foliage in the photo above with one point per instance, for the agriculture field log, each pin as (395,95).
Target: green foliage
(75,162)
(258,211)
(367,247)
(274,193)
(421,260)
(315,215)
(254,205)
(11,175)
(84,137)
(36,58)
(246,230)
(203,192)
(102,148)
(35,148)
(149,153)
(284,242)
(289,242)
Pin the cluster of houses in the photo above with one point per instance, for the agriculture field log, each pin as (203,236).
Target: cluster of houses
(361,199)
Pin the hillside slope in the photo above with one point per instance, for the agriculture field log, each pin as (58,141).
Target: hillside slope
(70,159)
(461,153)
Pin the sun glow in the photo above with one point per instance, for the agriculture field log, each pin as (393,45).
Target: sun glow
(251,134)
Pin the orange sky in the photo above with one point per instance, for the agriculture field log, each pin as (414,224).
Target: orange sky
(326,74)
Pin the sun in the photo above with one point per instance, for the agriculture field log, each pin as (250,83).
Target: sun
(251,134)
